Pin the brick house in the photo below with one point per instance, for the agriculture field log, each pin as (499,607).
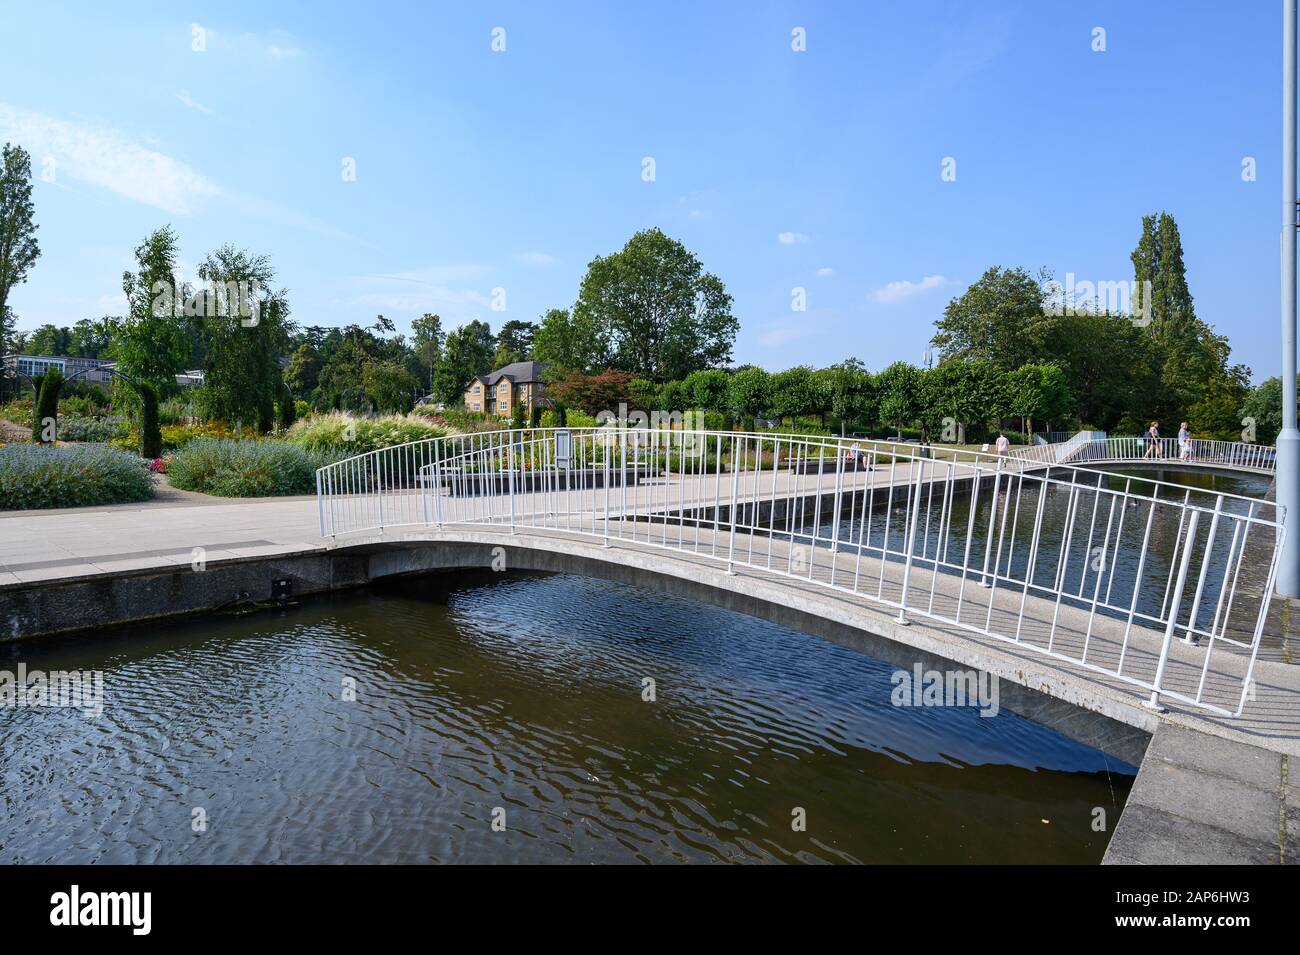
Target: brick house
(499,392)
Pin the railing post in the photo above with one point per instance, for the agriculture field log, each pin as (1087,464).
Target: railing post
(735,492)
(1154,702)
(993,521)
(379,487)
(320,505)
(1205,568)
(911,540)
(510,466)
(607,453)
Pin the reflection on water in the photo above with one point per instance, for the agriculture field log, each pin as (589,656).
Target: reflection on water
(477,693)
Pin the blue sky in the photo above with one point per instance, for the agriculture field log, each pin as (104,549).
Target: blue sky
(479,170)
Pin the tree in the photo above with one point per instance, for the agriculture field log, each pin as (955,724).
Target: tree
(1261,411)
(593,394)
(994,320)
(661,313)
(303,373)
(152,345)
(45,411)
(514,343)
(244,328)
(852,392)
(389,385)
(1193,360)
(749,393)
(707,389)
(48,340)
(798,391)
(899,387)
(568,341)
(18,246)
(960,393)
(91,337)
(428,342)
(1036,391)
(468,352)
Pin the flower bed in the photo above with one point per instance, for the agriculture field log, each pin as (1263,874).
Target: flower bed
(346,435)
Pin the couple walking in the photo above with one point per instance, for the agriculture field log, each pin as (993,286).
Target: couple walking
(1152,439)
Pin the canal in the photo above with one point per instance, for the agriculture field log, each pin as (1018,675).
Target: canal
(398,723)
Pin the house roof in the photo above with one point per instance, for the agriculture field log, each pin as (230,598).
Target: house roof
(520,372)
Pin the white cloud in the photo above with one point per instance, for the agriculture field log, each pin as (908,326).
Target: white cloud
(106,158)
(781,332)
(277,52)
(436,288)
(191,102)
(825,272)
(896,292)
(539,259)
(792,238)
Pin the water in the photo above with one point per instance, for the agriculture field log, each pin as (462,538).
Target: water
(477,692)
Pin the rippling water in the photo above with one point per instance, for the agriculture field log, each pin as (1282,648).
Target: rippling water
(522,696)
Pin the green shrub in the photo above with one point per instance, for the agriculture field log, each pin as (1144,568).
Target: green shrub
(229,468)
(692,464)
(342,433)
(573,418)
(76,427)
(85,476)
(48,387)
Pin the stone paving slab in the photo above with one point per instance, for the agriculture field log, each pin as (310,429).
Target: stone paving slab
(1201,799)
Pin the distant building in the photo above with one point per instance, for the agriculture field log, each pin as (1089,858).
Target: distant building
(94,370)
(499,392)
(97,371)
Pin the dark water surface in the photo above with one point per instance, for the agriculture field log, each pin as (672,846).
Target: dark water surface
(483,692)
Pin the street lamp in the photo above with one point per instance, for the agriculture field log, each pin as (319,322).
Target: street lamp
(1288,442)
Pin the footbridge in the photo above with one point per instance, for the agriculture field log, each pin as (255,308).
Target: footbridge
(1151,594)
(1097,448)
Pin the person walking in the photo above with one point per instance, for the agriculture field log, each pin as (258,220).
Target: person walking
(1153,441)
(1185,443)
(1002,444)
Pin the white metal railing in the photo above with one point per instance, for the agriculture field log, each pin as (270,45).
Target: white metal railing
(1140,580)
(1097,447)
(1061,452)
